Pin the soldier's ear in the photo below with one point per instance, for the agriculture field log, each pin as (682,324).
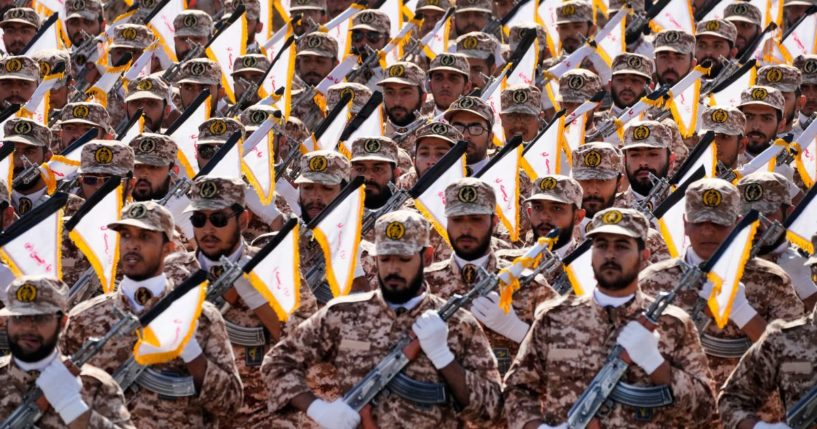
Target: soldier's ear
(258,27)
(244,219)
(645,253)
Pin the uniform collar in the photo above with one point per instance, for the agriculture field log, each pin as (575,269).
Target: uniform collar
(40,364)
(128,289)
(482,261)
(34,196)
(475,167)
(206,262)
(625,311)
(408,305)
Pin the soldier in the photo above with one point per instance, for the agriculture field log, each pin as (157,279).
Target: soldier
(448,80)
(99,161)
(575,88)
(403,97)
(48,59)
(646,151)
(597,168)
(786,79)
(747,20)
(247,69)
(768,193)
(431,11)
(574,24)
(219,216)
(480,49)
(313,13)
(31,147)
(517,31)
(254,24)
(474,118)
(154,162)
(632,79)
(556,202)
(195,76)
(727,123)
(472,15)
(206,365)
(213,133)
(19,78)
(191,26)
(151,94)
(77,119)
(360,95)
(77,398)
(808,87)
(317,55)
(83,19)
(714,40)
(375,158)
(793,10)
(19,25)
(354,333)
(765,293)
(570,339)
(370,28)
(132,39)
(432,141)
(521,111)
(674,56)
(763,108)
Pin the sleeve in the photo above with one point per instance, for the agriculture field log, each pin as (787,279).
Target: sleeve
(308,307)
(221,392)
(481,373)
(783,303)
(108,409)
(524,384)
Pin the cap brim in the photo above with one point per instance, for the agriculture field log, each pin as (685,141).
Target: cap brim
(18,21)
(399,80)
(30,311)
(450,112)
(185,33)
(475,210)
(18,77)
(632,72)
(141,95)
(151,160)
(642,145)
(402,249)
(714,34)
(133,222)
(546,197)
(297,8)
(447,68)
(568,21)
(718,130)
(311,52)
(83,15)
(248,69)
(670,49)
(365,27)
(23,140)
(482,55)
(206,205)
(434,8)
(197,81)
(519,109)
(716,217)
(612,229)
(594,174)
(318,178)
(372,158)
(445,139)
(760,103)
(742,19)
(210,141)
(81,121)
(472,9)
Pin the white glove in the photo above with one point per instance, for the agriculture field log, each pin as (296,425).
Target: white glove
(192,349)
(546,426)
(249,294)
(706,291)
(641,345)
(432,333)
(333,415)
(486,310)
(62,390)
(764,425)
(742,311)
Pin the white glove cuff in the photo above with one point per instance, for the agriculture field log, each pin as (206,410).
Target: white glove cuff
(316,408)
(649,361)
(441,358)
(248,294)
(742,315)
(191,351)
(517,331)
(73,409)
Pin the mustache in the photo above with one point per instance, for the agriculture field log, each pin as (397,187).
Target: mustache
(131,254)
(593,198)
(756,133)
(310,206)
(655,172)
(394,277)
(611,265)
(464,237)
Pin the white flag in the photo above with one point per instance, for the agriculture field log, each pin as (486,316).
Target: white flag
(162,26)
(579,269)
(800,225)
(32,245)
(503,176)
(431,203)
(259,162)
(186,135)
(230,44)
(329,139)
(276,277)
(801,41)
(542,156)
(677,15)
(49,39)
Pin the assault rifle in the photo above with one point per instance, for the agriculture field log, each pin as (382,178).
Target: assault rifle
(803,414)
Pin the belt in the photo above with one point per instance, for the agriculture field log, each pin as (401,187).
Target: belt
(725,347)
(244,336)
(641,396)
(164,384)
(420,392)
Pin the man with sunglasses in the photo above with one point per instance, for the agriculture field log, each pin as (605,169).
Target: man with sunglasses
(218,217)
(474,118)
(77,118)
(370,29)
(206,365)
(213,133)
(403,97)
(35,317)
(99,161)
(151,94)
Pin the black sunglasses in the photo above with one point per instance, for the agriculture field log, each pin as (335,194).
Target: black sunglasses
(94,180)
(373,36)
(217,219)
(206,151)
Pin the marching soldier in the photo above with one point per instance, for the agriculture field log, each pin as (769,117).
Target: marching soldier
(354,333)
(99,161)
(48,59)
(786,79)
(632,79)
(195,76)
(521,111)
(474,118)
(574,24)
(570,339)
(472,15)
(78,118)
(360,95)
(646,151)
(403,97)
(151,94)
(250,69)
(84,397)
(448,80)
(19,25)
(313,13)
(369,30)
(214,133)
(575,88)
(480,49)
(191,26)
(202,386)
(727,123)
(31,147)
(19,78)
(674,56)
(154,165)
(316,56)
(375,159)
(715,39)
(807,64)
(747,20)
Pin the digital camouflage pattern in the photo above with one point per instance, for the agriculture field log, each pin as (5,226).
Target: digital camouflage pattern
(762,96)
(558,188)
(674,41)
(634,64)
(646,134)
(597,161)
(325,167)
(718,28)
(723,120)
(712,200)
(19,67)
(574,11)
(192,23)
(782,77)
(477,44)
(743,12)
(360,95)
(525,99)
(26,131)
(578,85)
(318,44)
(157,150)
(763,191)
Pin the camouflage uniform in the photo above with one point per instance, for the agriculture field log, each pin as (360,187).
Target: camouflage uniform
(410,74)
(202,71)
(221,392)
(85,113)
(643,134)
(369,20)
(48,59)
(126,36)
(457,63)
(571,338)
(578,85)
(100,394)
(569,12)
(360,95)
(354,333)
(320,45)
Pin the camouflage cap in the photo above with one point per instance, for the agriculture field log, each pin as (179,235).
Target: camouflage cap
(26,131)
(762,95)
(783,77)
(477,44)
(157,150)
(474,6)
(469,196)
(404,73)
(438,130)
(723,120)
(88,113)
(20,67)
(132,36)
(325,167)
(763,191)
(216,193)
(674,41)
(200,71)
(253,8)
(646,134)
(452,62)
(106,157)
(473,105)
(151,86)
(615,5)
(148,215)
(558,188)
(712,200)
(360,95)
(574,11)
(296,128)
(597,161)
(21,15)
(296,5)
(438,5)
(517,30)
(401,232)
(525,99)
(578,85)
(621,221)
(85,9)
(318,44)
(48,59)
(371,19)
(374,149)
(807,64)
(252,117)
(250,62)
(35,294)
(636,64)
(192,23)
(718,28)
(743,11)
(218,130)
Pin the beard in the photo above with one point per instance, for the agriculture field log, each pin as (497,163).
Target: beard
(603,204)
(407,116)
(644,188)
(617,101)
(715,64)
(305,207)
(229,246)
(375,201)
(401,296)
(47,347)
(145,269)
(624,279)
(483,244)
(758,142)
(142,194)
(565,234)
(23,186)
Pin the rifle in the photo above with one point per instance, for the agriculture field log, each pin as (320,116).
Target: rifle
(496,23)
(251,88)
(659,188)
(607,128)
(803,414)
(410,128)
(641,20)
(32,171)
(408,347)
(169,75)
(84,50)
(372,56)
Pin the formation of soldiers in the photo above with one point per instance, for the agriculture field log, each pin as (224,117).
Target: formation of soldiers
(471,362)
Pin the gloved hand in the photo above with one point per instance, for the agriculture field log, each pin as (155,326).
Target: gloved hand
(192,349)
(546,426)
(764,425)
(742,311)
(486,310)
(706,291)
(62,390)
(333,415)
(641,345)
(432,332)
